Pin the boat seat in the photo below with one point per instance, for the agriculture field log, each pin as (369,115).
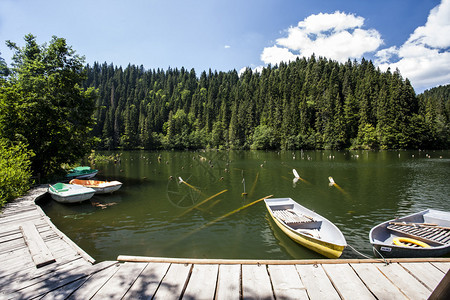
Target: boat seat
(289,216)
(59,187)
(428,234)
(296,221)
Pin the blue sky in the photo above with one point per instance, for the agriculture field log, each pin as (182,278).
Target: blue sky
(411,35)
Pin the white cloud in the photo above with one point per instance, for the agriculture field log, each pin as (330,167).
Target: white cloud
(274,55)
(425,57)
(338,21)
(227,47)
(337,36)
(257,69)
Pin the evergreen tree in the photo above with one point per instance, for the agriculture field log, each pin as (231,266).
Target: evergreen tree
(310,103)
(46,106)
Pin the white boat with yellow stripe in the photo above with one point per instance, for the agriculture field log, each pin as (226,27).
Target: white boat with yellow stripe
(306,227)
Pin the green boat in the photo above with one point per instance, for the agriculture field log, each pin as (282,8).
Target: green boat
(82,173)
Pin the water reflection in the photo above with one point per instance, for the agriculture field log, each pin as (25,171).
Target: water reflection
(153,212)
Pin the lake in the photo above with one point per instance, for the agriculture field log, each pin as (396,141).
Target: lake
(154,214)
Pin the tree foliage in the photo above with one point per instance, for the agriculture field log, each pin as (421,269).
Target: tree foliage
(15,170)
(44,105)
(312,103)
(434,107)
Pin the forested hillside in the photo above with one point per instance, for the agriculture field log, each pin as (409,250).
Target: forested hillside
(312,103)
(435,107)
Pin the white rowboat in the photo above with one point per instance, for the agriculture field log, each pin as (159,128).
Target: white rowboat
(70,193)
(100,187)
(306,227)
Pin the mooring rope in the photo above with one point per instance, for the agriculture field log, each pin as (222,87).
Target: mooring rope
(385,261)
(365,256)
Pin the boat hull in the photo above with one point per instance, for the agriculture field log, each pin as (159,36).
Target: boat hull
(392,251)
(326,248)
(82,176)
(106,189)
(381,237)
(82,173)
(100,187)
(71,194)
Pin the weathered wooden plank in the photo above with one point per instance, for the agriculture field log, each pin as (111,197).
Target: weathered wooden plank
(42,285)
(202,283)
(148,282)
(174,282)
(39,279)
(122,280)
(9,235)
(27,274)
(94,283)
(28,216)
(60,247)
(40,253)
(346,282)
(64,291)
(19,263)
(18,212)
(324,261)
(425,273)
(68,256)
(13,245)
(403,280)
(442,291)
(228,282)
(20,243)
(377,283)
(14,209)
(444,267)
(11,256)
(317,283)
(15,234)
(286,282)
(256,282)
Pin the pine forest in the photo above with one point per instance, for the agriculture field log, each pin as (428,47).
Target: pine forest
(311,103)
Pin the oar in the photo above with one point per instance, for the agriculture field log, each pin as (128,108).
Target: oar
(200,203)
(297,177)
(192,187)
(333,183)
(223,217)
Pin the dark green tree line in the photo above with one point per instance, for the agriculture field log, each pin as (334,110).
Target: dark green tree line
(434,108)
(312,103)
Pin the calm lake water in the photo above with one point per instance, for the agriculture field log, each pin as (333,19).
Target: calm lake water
(153,215)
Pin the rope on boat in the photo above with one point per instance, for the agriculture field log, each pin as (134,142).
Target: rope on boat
(365,256)
(384,259)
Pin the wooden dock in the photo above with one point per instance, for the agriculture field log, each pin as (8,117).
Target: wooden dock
(38,261)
